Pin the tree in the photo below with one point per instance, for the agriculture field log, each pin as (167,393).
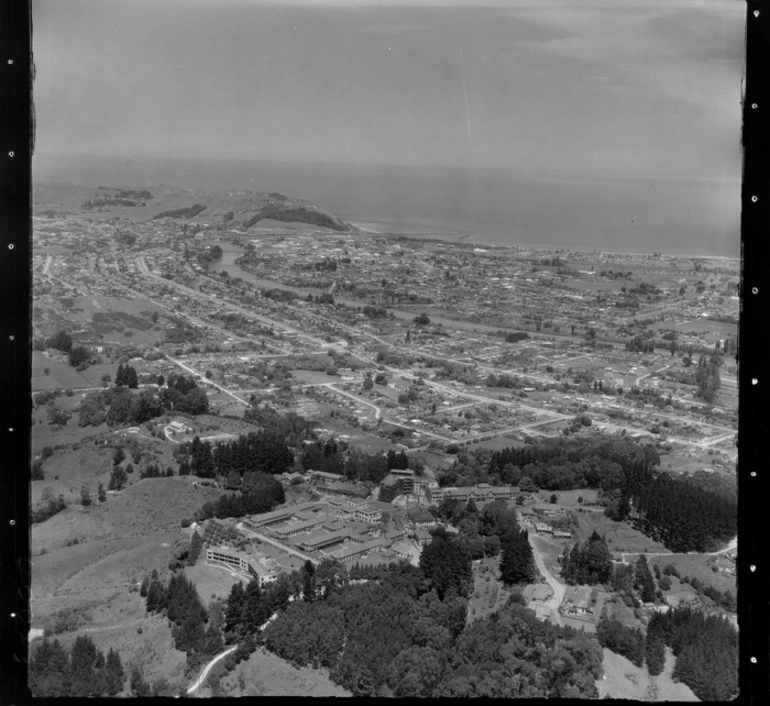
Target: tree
(517,564)
(114,673)
(139,687)
(101,493)
(85,496)
(37,469)
(526,485)
(195,549)
(421,319)
(61,341)
(78,355)
(643,581)
(118,455)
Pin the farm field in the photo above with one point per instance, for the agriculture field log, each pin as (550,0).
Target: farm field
(266,674)
(624,680)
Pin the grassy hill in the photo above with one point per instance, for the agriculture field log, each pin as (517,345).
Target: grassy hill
(147,506)
(240,209)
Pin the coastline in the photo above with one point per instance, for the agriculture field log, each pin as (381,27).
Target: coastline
(486,239)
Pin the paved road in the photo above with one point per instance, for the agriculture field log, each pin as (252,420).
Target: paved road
(557,586)
(195,372)
(209,667)
(731,546)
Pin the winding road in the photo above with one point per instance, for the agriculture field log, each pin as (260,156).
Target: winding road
(209,667)
(558,588)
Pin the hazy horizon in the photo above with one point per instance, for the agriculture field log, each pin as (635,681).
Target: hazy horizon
(631,94)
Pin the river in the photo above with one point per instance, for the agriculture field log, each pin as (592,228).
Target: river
(231,252)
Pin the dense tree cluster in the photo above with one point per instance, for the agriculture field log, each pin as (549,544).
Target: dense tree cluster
(79,356)
(481,532)
(393,638)
(335,457)
(706,649)
(621,639)
(182,394)
(707,377)
(262,451)
(682,515)
(126,376)
(588,563)
(262,494)
(395,635)
(517,564)
(119,405)
(558,463)
(291,427)
(446,565)
(179,602)
(84,671)
(61,341)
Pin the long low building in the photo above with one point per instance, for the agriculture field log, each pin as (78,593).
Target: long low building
(240,561)
(320,539)
(483,492)
(349,553)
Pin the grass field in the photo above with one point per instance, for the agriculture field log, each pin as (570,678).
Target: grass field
(211,581)
(87,464)
(620,536)
(61,374)
(266,674)
(695,565)
(147,506)
(624,680)
(569,498)
(88,561)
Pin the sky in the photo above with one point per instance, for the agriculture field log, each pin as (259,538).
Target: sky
(610,87)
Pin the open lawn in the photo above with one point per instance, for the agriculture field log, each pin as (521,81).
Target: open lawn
(569,498)
(212,581)
(624,680)
(60,374)
(695,566)
(266,674)
(620,536)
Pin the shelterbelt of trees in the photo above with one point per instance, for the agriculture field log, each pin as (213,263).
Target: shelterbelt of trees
(677,511)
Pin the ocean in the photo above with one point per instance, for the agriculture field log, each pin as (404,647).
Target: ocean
(677,216)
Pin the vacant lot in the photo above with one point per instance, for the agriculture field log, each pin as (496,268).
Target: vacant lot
(265,674)
(624,680)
